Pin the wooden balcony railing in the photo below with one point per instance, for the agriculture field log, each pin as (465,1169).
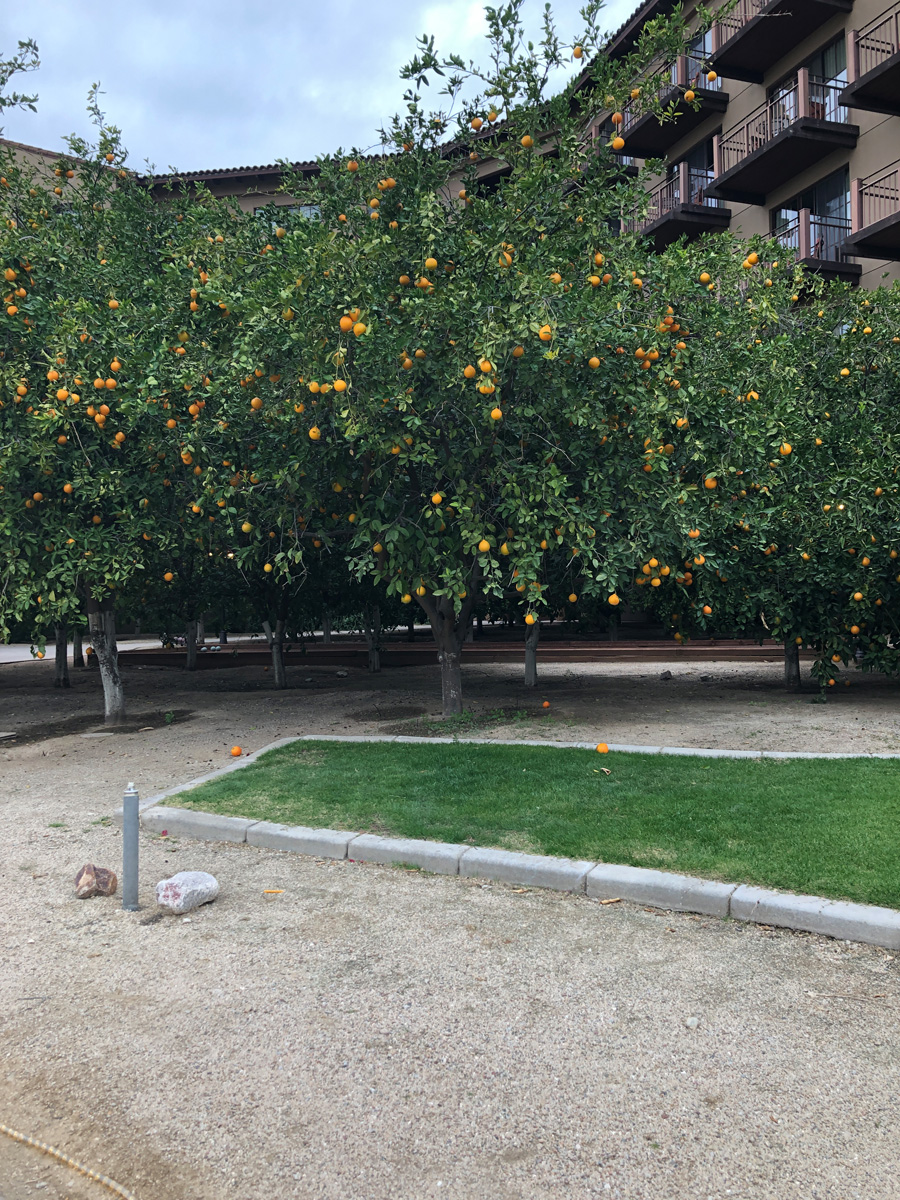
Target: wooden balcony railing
(868,47)
(685,186)
(687,71)
(804,96)
(743,12)
(814,237)
(875,197)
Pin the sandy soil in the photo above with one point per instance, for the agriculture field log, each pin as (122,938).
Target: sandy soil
(371,1032)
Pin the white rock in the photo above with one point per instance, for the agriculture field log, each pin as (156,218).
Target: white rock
(187,890)
(692,1022)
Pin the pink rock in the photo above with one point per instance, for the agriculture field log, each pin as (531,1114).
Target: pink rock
(187,890)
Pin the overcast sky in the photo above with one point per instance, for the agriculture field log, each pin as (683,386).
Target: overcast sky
(198,84)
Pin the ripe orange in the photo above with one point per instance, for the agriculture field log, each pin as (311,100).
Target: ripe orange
(484,545)
(236,752)
(256,403)
(530,618)
(168,577)
(496,414)
(545,333)
(614,600)
(689,96)
(706,609)
(315,433)
(352,165)
(618,143)
(114,304)
(602,748)
(527,141)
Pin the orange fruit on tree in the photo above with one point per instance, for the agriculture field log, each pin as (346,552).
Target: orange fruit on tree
(614,600)
(256,403)
(545,333)
(168,577)
(496,414)
(518,351)
(689,96)
(618,143)
(484,545)
(527,141)
(352,166)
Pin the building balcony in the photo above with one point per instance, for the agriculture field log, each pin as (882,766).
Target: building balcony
(819,244)
(875,215)
(755,35)
(648,137)
(873,65)
(784,136)
(679,208)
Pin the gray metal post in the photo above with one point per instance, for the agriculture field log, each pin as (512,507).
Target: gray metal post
(130,827)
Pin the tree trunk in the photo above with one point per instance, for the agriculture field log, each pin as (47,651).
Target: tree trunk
(372,625)
(532,637)
(451,682)
(479,621)
(411,631)
(613,629)
(449,630)
(326,629)
(77,647)
(61,679)
(201,631)
(276,645)
(792,666)
(102,630)
(190,645)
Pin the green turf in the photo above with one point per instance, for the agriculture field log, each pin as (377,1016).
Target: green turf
(808,825)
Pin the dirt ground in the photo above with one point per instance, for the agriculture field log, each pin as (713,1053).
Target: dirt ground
(378,1033)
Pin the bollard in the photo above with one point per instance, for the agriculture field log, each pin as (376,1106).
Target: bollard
(130,829)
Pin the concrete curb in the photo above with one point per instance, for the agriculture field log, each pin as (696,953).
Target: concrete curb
(603,881)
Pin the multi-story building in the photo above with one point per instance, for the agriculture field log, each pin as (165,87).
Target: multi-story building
(797,134)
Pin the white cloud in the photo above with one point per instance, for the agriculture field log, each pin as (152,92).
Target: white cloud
(227,82)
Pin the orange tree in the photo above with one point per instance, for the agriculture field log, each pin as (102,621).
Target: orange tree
(788,407)
(456,344)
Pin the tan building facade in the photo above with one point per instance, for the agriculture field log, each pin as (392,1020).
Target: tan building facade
(797,134)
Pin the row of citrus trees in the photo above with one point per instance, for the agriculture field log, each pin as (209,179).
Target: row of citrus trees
(438,392)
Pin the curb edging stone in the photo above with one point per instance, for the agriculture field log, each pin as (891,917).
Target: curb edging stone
(868,923)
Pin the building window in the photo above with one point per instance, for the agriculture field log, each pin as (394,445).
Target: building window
(827,204)
(276,213)
(698,52)
(827,79)
(700,174)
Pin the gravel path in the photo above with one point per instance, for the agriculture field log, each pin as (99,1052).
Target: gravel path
(377,1033)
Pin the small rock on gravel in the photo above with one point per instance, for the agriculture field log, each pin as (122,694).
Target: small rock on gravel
(95,881)
(187,890)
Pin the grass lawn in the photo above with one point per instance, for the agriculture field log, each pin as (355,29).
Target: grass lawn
(827,827)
